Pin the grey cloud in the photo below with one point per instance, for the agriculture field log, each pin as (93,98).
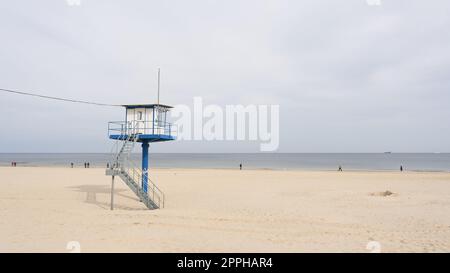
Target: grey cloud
(348,77)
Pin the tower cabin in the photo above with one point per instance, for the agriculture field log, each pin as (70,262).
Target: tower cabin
(147,121)
(144,123)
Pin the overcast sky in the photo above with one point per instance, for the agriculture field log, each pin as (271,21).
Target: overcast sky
(348,76)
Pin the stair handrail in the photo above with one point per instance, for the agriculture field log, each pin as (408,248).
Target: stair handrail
(129,134)
(136,174)
(115,151)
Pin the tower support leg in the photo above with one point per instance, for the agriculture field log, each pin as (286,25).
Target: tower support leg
(112,193)
(145,146)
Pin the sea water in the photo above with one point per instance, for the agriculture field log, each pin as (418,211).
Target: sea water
(277,161)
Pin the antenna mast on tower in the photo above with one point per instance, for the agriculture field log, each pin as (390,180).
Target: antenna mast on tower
(159,72)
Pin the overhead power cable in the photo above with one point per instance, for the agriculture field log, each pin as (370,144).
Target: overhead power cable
(56,98)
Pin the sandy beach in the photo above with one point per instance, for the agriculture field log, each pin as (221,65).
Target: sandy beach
(42,209)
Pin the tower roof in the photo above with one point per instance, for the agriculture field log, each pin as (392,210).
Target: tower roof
(146,106)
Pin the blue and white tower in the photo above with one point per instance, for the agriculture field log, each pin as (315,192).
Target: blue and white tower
(145,124)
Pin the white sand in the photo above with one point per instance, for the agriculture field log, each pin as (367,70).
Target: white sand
(42,209)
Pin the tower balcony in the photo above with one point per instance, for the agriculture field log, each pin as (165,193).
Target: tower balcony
(144,131)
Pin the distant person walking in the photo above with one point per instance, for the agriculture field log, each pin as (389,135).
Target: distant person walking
(240,166)
(71,165)
(340,168)
(401,168)
(88,164)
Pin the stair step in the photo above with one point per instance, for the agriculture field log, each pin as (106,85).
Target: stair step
(122,159)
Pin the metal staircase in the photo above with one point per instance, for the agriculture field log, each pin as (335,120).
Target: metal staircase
(122,166)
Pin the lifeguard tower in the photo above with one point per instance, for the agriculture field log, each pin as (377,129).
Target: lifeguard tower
(144,123)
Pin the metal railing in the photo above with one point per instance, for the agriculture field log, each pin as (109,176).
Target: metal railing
(141,127)
(121,160)
(135,173)
(118,151)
